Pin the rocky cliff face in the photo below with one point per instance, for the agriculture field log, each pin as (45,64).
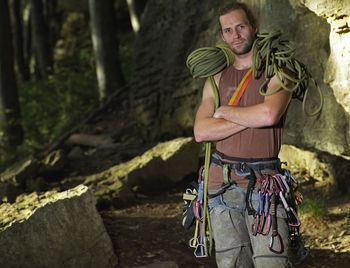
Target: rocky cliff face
(166,96)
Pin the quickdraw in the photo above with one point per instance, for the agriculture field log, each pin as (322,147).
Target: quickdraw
(272,190)
(262,215)
(275,234)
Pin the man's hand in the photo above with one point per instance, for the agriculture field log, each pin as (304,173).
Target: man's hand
(208,128)
(220,112)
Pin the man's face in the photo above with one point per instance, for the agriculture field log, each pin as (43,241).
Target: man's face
(237,31)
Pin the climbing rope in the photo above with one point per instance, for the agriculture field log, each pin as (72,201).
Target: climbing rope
(208,61)
(274,56)
(271,56)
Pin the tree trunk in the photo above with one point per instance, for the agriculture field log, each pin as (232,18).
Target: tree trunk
(27,36)
(40,38)
(54,21)
(22,63)
(105,44)
(134,19)
(10,115)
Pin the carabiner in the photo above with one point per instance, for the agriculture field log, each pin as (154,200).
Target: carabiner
(268,224)
(279,243)
(297,224)
(254,227)
(267,204)
(197,209)
(260,208)
(261,223)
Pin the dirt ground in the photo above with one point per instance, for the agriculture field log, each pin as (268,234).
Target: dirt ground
(149,231)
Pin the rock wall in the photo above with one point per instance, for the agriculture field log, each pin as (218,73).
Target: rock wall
(166,97)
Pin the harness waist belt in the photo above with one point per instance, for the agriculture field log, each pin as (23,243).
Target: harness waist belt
(266,164)
(244,160)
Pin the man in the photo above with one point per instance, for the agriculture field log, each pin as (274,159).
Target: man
(250,132)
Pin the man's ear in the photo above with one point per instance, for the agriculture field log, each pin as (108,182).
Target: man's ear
(222,37)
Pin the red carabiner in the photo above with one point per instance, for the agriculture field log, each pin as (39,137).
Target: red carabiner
(254,227)
(279,243)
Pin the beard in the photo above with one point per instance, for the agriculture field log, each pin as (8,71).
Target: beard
(244,48)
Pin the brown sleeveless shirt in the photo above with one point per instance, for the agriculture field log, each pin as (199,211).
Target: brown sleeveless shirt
(251,142)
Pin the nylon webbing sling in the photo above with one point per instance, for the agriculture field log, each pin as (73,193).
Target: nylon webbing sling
(241,88)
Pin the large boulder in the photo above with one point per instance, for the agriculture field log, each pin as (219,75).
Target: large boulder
(55,229)
(29,174)
(328,171)
(17,177)
(159,168)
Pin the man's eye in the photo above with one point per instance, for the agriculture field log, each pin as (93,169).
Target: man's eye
(227,30)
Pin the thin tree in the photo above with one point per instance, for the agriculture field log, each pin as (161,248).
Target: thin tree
(27,33)
(134,18)
(10,116)
(40,37)
(105,45)
(21,60)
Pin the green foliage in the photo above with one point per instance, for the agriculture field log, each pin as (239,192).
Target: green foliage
(50,107)
(313,208)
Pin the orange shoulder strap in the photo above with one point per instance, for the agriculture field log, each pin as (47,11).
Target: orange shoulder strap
(241,88)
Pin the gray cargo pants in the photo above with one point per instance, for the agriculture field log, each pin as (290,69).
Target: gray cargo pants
(235,245)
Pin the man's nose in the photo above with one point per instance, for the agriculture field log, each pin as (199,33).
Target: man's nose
(236,34)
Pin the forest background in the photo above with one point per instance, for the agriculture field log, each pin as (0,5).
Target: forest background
(49,62)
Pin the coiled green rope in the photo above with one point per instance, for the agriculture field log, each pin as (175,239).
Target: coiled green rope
(208,61)
(271,56)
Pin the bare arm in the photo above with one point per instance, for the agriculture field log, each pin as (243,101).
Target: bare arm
(207,128)
(267,113)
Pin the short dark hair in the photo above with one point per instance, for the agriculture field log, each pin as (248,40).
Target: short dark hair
(228,7)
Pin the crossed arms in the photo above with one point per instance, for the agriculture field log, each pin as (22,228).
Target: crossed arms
(211,125)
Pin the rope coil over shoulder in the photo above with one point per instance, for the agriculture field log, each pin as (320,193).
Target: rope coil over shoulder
(271,56)
(274,56)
